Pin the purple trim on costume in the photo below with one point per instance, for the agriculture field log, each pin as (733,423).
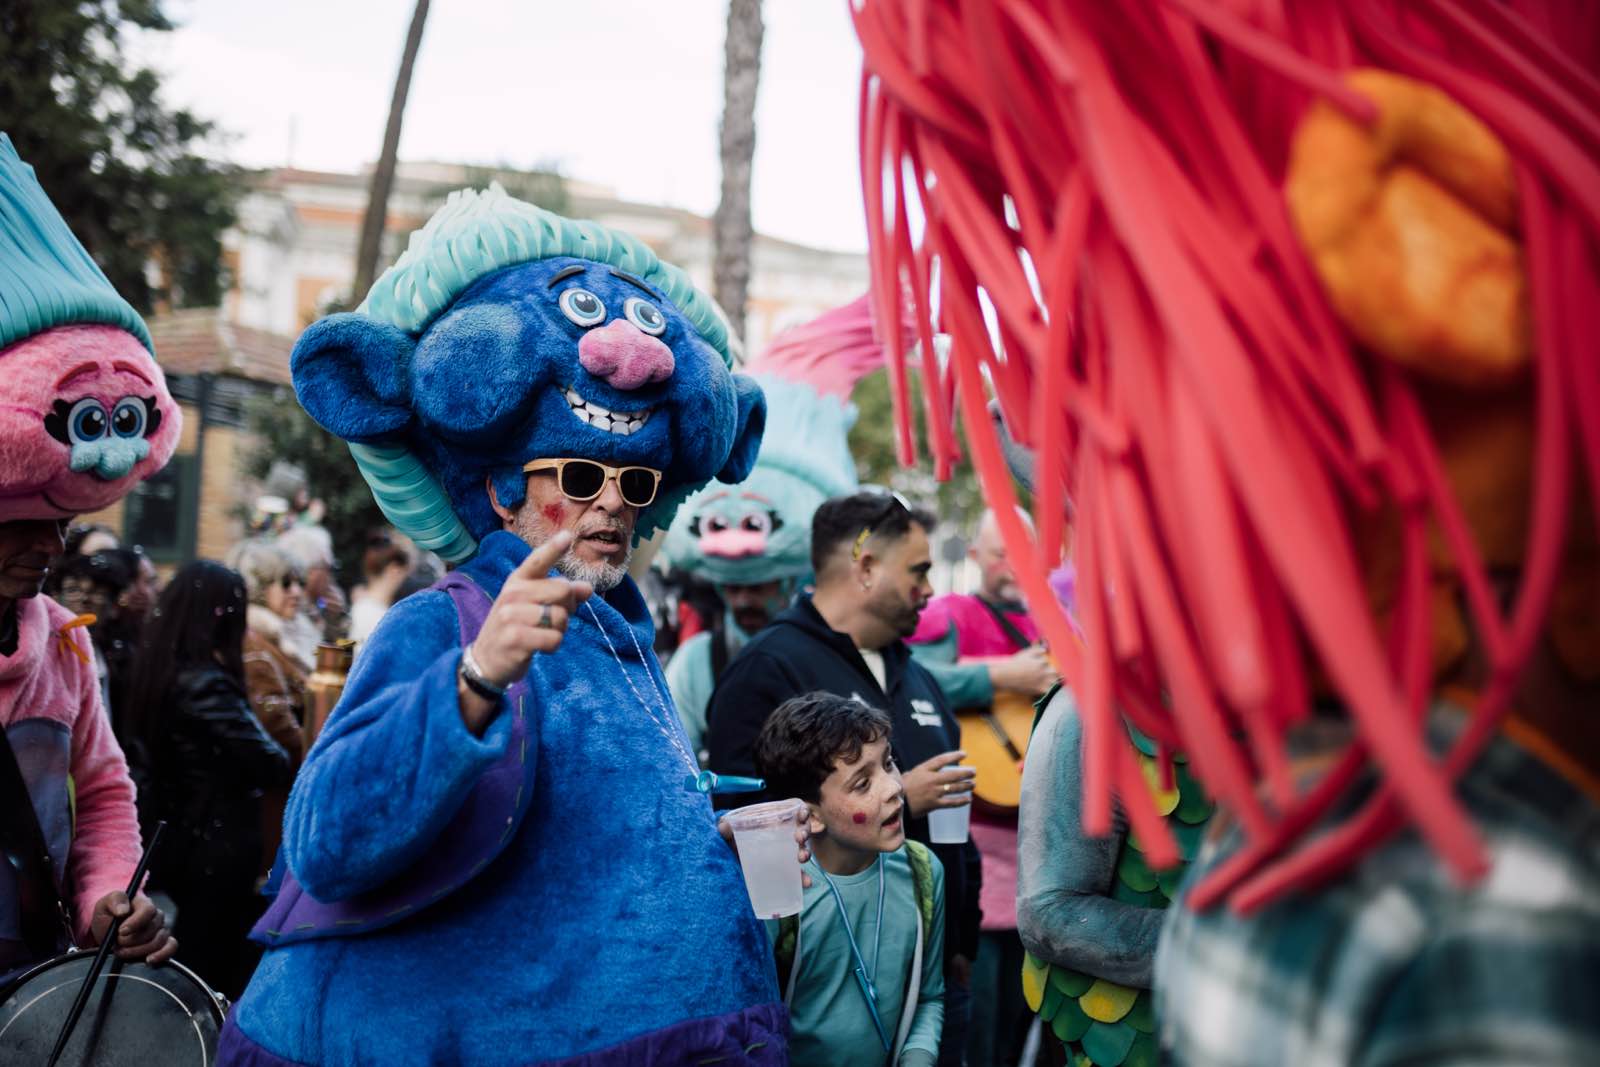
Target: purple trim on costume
(487,819)
(754,1037)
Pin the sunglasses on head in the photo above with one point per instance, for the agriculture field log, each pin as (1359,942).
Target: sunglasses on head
(584,479)
(891,501)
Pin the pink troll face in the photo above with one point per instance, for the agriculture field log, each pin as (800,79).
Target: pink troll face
(106,418)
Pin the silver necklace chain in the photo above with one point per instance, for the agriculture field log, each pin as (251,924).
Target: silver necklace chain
(672,738)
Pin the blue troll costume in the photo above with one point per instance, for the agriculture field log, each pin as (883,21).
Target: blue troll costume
(550,892)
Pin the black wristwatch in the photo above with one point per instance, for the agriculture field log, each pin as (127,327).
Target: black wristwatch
(470,673)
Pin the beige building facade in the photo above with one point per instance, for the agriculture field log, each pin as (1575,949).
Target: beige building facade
(292,255)
(293,251)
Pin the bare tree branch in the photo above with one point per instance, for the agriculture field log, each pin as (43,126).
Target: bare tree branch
(731,229)
(383,173)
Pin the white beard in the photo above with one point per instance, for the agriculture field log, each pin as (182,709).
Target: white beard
(603,576)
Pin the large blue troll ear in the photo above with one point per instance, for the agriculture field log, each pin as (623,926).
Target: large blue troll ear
(350,373)
(751,423)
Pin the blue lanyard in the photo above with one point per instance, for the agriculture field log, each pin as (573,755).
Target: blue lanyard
(864,979)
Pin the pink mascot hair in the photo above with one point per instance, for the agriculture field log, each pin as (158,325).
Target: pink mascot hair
(1097,186)
(85,414)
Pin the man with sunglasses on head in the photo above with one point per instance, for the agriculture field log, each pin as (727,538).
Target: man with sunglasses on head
(871,557)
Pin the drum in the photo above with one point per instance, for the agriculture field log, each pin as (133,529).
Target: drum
(136,1016)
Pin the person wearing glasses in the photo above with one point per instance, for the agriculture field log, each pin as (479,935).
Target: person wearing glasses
(502,820)
(871,557)
(275,669)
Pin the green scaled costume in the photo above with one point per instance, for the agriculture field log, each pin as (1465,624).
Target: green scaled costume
(1089,909)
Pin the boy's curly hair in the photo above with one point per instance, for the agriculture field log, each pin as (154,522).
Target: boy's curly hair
(808,735)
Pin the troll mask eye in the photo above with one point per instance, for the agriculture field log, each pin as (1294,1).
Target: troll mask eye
(128,417)
(86,421)
(645,315)
(582,307)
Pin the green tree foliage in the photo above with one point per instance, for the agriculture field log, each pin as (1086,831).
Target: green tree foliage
(283,431)
(958,501)
(125,171)
(544,185)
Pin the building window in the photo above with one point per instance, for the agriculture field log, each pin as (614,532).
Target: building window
(158,514)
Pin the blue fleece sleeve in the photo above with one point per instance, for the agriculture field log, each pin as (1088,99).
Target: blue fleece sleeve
(394,762)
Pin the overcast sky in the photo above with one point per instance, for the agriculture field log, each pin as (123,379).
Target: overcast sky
(626,93)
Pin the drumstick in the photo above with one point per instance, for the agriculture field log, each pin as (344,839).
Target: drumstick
(105,948)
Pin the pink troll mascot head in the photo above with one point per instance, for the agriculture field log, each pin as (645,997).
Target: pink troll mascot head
(1296,303)
(84,411)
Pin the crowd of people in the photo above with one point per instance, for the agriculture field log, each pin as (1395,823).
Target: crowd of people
(203,683)
(1286,563)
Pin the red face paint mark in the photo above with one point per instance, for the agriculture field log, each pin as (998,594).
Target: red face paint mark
(858,818)
(553,513)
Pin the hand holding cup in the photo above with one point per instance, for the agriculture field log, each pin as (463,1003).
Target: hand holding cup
(937,783)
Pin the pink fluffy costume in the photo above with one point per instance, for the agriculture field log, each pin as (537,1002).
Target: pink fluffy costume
(84,417)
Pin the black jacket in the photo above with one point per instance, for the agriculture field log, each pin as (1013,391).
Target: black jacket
(799,653)
(213,761)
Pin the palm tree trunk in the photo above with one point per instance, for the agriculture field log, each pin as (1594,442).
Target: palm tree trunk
(383,174)
(731,231)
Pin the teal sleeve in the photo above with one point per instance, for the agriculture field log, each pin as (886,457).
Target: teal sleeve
(1066,914)
(689,680)
(965,685)
(928,1023)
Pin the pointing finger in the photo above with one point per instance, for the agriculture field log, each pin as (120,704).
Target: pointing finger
(542,558)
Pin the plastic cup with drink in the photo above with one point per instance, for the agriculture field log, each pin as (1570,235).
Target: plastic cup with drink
(763,834)
(949,826)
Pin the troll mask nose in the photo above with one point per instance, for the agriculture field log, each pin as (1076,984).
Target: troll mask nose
(733,543)
(109,458)
(624,356)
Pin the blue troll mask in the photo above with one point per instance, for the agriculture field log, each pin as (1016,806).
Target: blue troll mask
(505,334)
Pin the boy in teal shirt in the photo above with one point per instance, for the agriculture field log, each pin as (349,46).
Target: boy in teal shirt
(862,968)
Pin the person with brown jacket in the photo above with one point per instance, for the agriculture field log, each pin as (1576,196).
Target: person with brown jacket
(274,674)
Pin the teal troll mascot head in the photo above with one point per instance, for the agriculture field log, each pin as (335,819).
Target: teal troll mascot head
(760,530)
(506,334)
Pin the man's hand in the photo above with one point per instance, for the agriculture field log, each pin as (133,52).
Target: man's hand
(143,935)
(1028,671)
(934,783)
(530,615)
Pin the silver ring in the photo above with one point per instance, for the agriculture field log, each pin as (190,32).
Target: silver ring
(544,618)
(945,788)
